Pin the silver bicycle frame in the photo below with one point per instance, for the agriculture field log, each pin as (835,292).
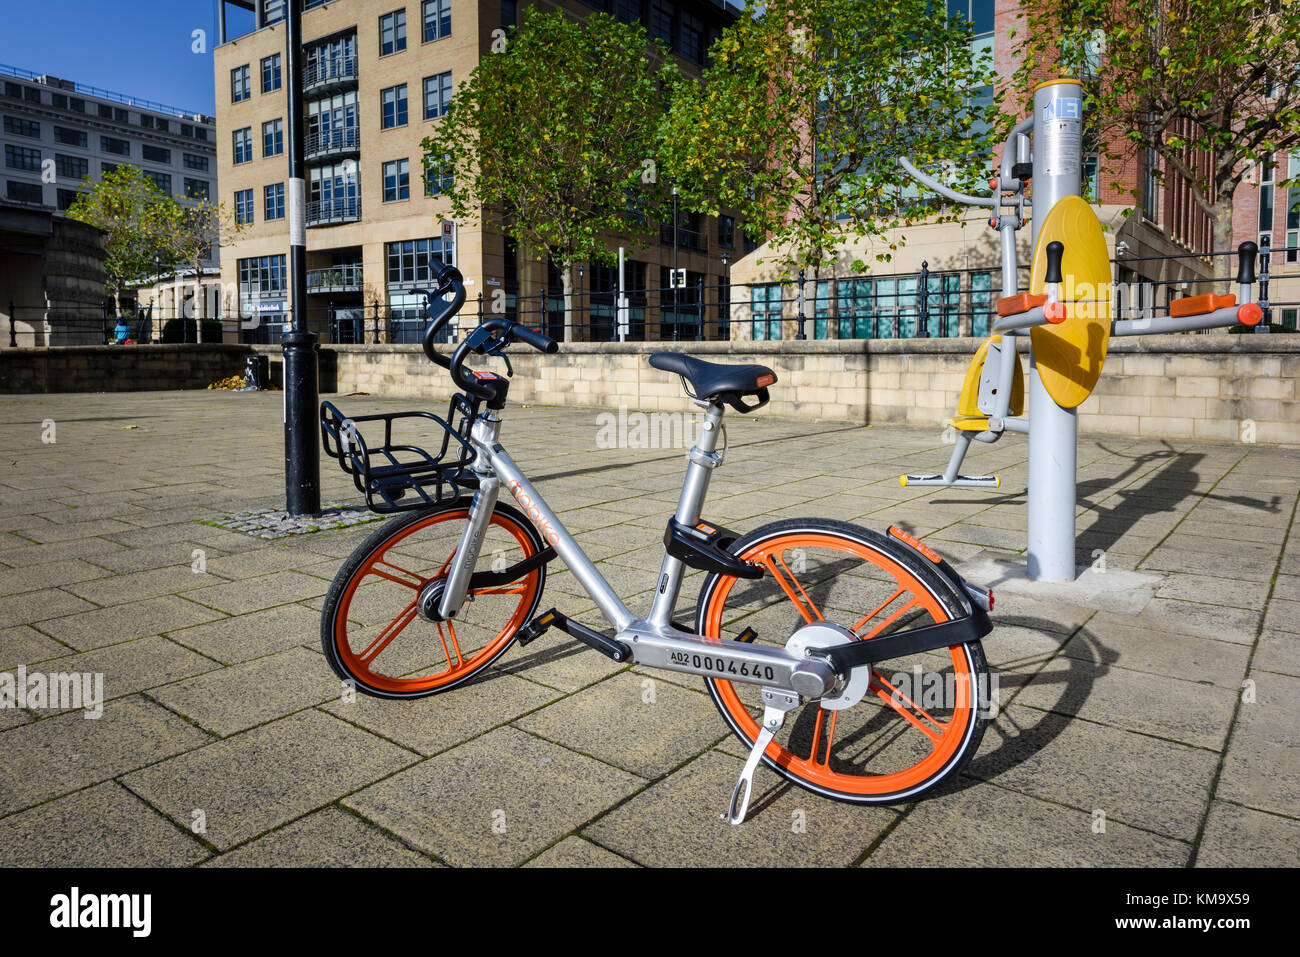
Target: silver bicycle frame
(653,640)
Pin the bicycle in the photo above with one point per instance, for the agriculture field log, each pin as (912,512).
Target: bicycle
(798,613)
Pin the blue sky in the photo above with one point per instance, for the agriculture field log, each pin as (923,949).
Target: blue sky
(136,47)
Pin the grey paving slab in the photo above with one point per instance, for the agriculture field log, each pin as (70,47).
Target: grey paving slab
(133,586)
(576,852)
(1278,651)
(1238,836)
(236,598)
(632,721)
(466,805)
(1138,648)
(68,752)
(136,665)
(327,838)
(114,829)
(1186,711)
(1155,785)
(228,700)
(441,721)
(22,645)
(680,822)
(32,606)
(957,830)
(250,783)
(255,635)
(1260,768)
(108,626)
(48,575)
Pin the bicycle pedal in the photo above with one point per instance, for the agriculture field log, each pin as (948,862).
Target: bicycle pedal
(536,628)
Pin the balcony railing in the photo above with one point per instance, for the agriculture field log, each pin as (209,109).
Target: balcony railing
(686,238)
(345,139)
(329,71)
(335,279)
(327,212)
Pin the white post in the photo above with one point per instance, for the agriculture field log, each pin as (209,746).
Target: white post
(1053,434)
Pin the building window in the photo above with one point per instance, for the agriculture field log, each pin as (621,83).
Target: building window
(334,193)
(1267,187)
(105,112)
(196,188)
(273,137)
(244,144)
(397,180)
(31,94)
(195,162)
(629,11)
(661,22)
(66,197)
(392,32)
(107,168)
(73,167)
(727,231)
(201,133)
(332,123)
(24,192)
(69,137)
(416,260)
(262,277)
(21,127)
(243,206)
(20,157)
(270,73)
(76,104)
(274,11)
(437,19)
(13,89)
(162,180)
(978,12)
(155,154)
(274,201)
(438,177)
(59,101)
(240,88)
(691,46)
(393,101)
(437,95)
(765,310)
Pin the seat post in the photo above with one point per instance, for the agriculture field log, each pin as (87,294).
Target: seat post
(703,461)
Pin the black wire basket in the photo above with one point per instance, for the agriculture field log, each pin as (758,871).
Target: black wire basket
(393,476)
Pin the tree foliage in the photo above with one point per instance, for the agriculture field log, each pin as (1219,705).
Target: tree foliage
(1191,80)
(138,220)
(806,107)
(556,130)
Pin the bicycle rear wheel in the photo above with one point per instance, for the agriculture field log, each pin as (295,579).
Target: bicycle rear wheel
(922,717)
(372,634)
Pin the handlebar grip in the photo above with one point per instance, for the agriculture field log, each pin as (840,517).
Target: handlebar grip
(1055,250)
(538,340)
(1246,262)
(449,280)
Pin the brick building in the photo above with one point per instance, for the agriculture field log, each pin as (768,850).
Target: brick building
(377,74)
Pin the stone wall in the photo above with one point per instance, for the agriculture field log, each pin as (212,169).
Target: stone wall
(118,368)
(1183,386)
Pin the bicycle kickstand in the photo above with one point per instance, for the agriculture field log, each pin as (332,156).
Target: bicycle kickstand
(776,704)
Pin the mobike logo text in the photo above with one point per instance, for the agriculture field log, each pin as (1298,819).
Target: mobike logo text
(532,511)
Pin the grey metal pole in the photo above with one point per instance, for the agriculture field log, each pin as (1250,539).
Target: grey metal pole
(301,372)
(1053,437)
(923,313)
(674,282)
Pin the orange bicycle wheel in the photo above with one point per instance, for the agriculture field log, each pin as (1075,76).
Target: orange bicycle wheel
(921,718)
(372,634)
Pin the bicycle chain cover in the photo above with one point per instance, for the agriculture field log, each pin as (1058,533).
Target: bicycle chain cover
(388,471)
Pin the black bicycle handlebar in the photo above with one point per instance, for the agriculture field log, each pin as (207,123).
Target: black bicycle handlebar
(449,279)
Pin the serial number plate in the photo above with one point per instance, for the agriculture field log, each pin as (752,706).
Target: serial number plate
(723,667)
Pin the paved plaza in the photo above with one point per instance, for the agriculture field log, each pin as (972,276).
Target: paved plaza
(1165,736)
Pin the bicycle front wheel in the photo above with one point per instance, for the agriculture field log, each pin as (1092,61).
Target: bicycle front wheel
(371,632)
(922,716)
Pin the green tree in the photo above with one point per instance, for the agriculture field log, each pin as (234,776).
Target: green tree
(194,231)
(806,107)
(1211,86)
(555,130)
(138,220)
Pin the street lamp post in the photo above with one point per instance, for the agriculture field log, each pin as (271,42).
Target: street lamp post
(673,281)
(301,451)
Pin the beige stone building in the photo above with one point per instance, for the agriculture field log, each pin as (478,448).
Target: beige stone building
(377,74)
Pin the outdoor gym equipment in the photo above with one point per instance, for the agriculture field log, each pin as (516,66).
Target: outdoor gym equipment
(1066,314)
(798,612)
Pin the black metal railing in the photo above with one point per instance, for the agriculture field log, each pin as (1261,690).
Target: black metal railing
(327,71)
(325,212)
(344,139)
